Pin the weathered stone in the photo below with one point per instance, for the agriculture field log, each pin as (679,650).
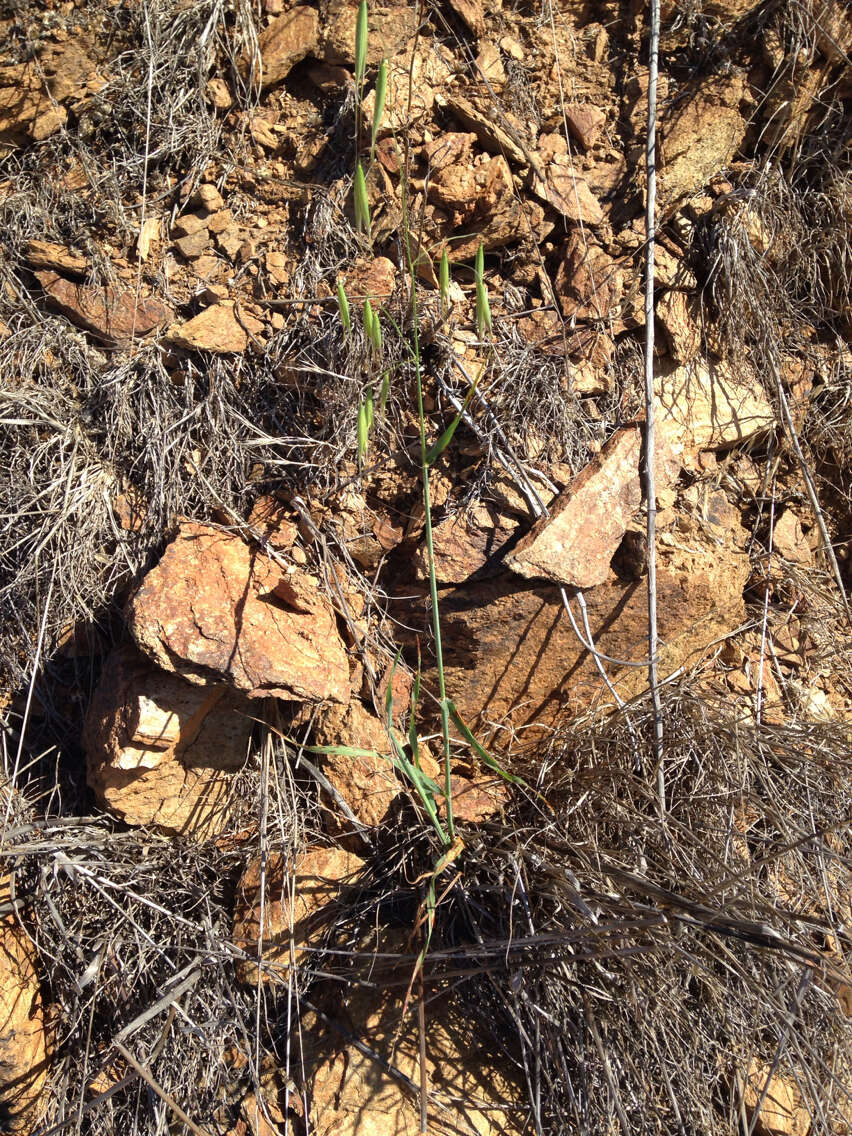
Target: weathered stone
(700,134)
(162,751)
(219,94)
(194,245)
(216,329)
(188,224)
(474,800)
(471,13)
(390,27)
(705,405)
(683,335)
(465,544)
(26,110)
(350,1093)
(368,785)
(589,283)
(373,279)
(112,314)
(299,905)
(215,609)
(512,658)
(286,41)
(561,186)
(23,1048)
(31,93)
(789,541)
(490,65)
(585,122)
(410,91)
(576,542)
(783,1111)
(492,136)
(46,254)
(208,198)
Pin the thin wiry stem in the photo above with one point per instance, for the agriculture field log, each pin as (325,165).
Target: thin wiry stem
(650,481)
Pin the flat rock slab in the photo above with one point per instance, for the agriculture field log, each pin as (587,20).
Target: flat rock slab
(215,610)
(162,751)
(705,405)
(574,545)
(299,904)
(514,664)
(286,41)
(112,314)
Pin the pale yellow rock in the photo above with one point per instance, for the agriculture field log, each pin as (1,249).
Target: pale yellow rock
(299,907)
(576,542)
(23,1048)
(782,1111)
(705,405)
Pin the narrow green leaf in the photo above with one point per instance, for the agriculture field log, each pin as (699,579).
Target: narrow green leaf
(438,448)
(343,305)
(362,204)
(384,392)
(483,310)
(368,321)
(360,46)
(363,432)
(479,264)
(379,104)
(481,752)
(368,403)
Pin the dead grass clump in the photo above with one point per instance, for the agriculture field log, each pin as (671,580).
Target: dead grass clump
(639,968)
(125,961)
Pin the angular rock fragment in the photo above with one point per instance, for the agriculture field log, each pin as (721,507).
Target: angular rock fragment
(512,657)
(161,751)
(389,29)
(789,540)
(367,785)
(286,41)
(585,122)
(561,186)
(299,906)
(682,332)
(782,1110)
(700,135)
(216,610)
(47,254)
(706,405)
(466,543)
(216,329)
(112,314)
(352,1092)
(23,1049)
(575,543)
(471,13)
(588,282)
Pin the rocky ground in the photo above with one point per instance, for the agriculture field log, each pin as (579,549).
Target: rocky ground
(243,891)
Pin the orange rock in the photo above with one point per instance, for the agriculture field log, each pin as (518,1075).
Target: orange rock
(217,328)
(513,659)
(368,785)
(286,41)
(161,751)
(111,314)
(23,1049)
(576,542)
(215,609)
(782,1111)
(299,905)
(589,282)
